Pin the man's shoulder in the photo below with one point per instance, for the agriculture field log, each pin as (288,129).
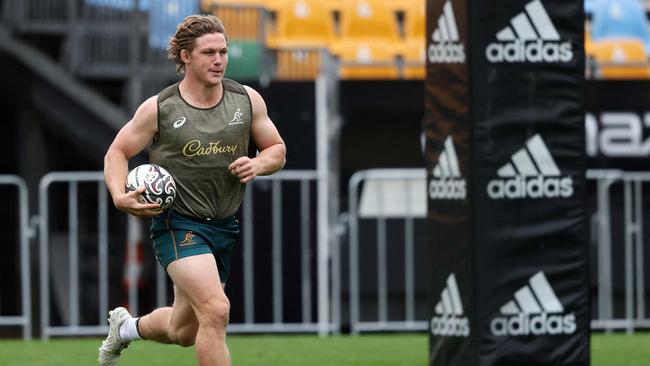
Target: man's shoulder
(233,86)
(167,92)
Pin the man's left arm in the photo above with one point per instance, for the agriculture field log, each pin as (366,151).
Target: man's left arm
(272,150)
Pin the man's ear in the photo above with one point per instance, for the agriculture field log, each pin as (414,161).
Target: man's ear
(185,56)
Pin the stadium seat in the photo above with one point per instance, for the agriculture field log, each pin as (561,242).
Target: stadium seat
(242,19)
(298,64)
(414,61)
(369,42)
(620,59)
(620,19)
(302,24)
(415,21)
(208,4)
(368,21)
(400,5)
(334,5)
(414,47)
(367,61)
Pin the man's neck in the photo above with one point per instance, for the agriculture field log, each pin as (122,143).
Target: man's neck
(199,94)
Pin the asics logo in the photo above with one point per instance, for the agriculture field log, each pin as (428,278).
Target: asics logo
(531,174)
(179,122)
(531,37)
(446,46)
(449,320)
(447,183)
(535,310)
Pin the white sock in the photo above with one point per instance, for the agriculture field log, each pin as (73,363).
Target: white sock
(129,330)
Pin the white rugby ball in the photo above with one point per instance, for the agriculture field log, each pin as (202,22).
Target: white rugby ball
(159,184)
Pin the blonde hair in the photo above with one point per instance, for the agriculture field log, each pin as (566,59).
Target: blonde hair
(191,28)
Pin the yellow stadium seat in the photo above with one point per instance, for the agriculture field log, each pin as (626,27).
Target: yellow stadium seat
(399,5)
(414,47)
(333,5)
(620,59)
(242,20)
(414,63)
(296,64)
(415,21)
(207,4)
(367,61)
(302,24)
(368,21)
(369,42)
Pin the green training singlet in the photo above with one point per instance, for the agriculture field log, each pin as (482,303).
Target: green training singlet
(196,145)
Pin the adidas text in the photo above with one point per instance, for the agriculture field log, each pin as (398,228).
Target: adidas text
(448,188)
(450,326)
(446,46)
(533,51)
(534,187)
(533,324)
(446,53)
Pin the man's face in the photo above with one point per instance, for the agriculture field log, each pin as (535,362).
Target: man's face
(209,58)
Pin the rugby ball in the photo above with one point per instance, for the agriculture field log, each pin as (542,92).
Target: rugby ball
(159,184)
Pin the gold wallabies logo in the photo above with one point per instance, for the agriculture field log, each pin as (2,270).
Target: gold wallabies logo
(189,239)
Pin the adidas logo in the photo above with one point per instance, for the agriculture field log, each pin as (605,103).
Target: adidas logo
(449,320)
(535,310)
(447,182)
(532,38)
(531,174)
(446,46)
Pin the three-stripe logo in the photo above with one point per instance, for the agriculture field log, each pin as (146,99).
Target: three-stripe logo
(532,173)
(531,37)
(445,45)
(447,183)
(535,310)
(449,320)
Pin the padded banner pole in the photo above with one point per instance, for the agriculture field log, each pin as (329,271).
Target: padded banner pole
(504,127)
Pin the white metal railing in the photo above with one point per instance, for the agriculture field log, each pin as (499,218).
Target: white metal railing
(632,245)
(411,192)
(72,179)
(25,319)
(633,248)
(305,180)
(409,322)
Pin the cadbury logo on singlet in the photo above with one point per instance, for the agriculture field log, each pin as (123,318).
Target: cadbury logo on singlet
(196,148)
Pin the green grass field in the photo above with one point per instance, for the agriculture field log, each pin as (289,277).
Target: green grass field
(365,350)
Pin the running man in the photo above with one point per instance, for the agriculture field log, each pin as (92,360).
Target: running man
(199,131)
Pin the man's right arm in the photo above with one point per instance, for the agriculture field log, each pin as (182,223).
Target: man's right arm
(130,141)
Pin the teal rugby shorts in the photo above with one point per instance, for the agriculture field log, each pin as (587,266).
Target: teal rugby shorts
(174,236)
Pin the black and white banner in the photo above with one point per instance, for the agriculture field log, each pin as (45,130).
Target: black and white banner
(506,160)
(447,127)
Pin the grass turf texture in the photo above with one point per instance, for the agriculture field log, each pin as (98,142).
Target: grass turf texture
(375,350)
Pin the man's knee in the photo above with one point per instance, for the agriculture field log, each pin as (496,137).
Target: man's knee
(215,313)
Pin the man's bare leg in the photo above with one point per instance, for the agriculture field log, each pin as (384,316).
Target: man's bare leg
(176,324)
(200,312)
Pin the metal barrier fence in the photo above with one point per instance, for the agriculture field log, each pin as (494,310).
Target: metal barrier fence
(72,179)
(70,315)
(25,319)
(391,198)
(632,227)
(383,197)
(611,236)
(305,181)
